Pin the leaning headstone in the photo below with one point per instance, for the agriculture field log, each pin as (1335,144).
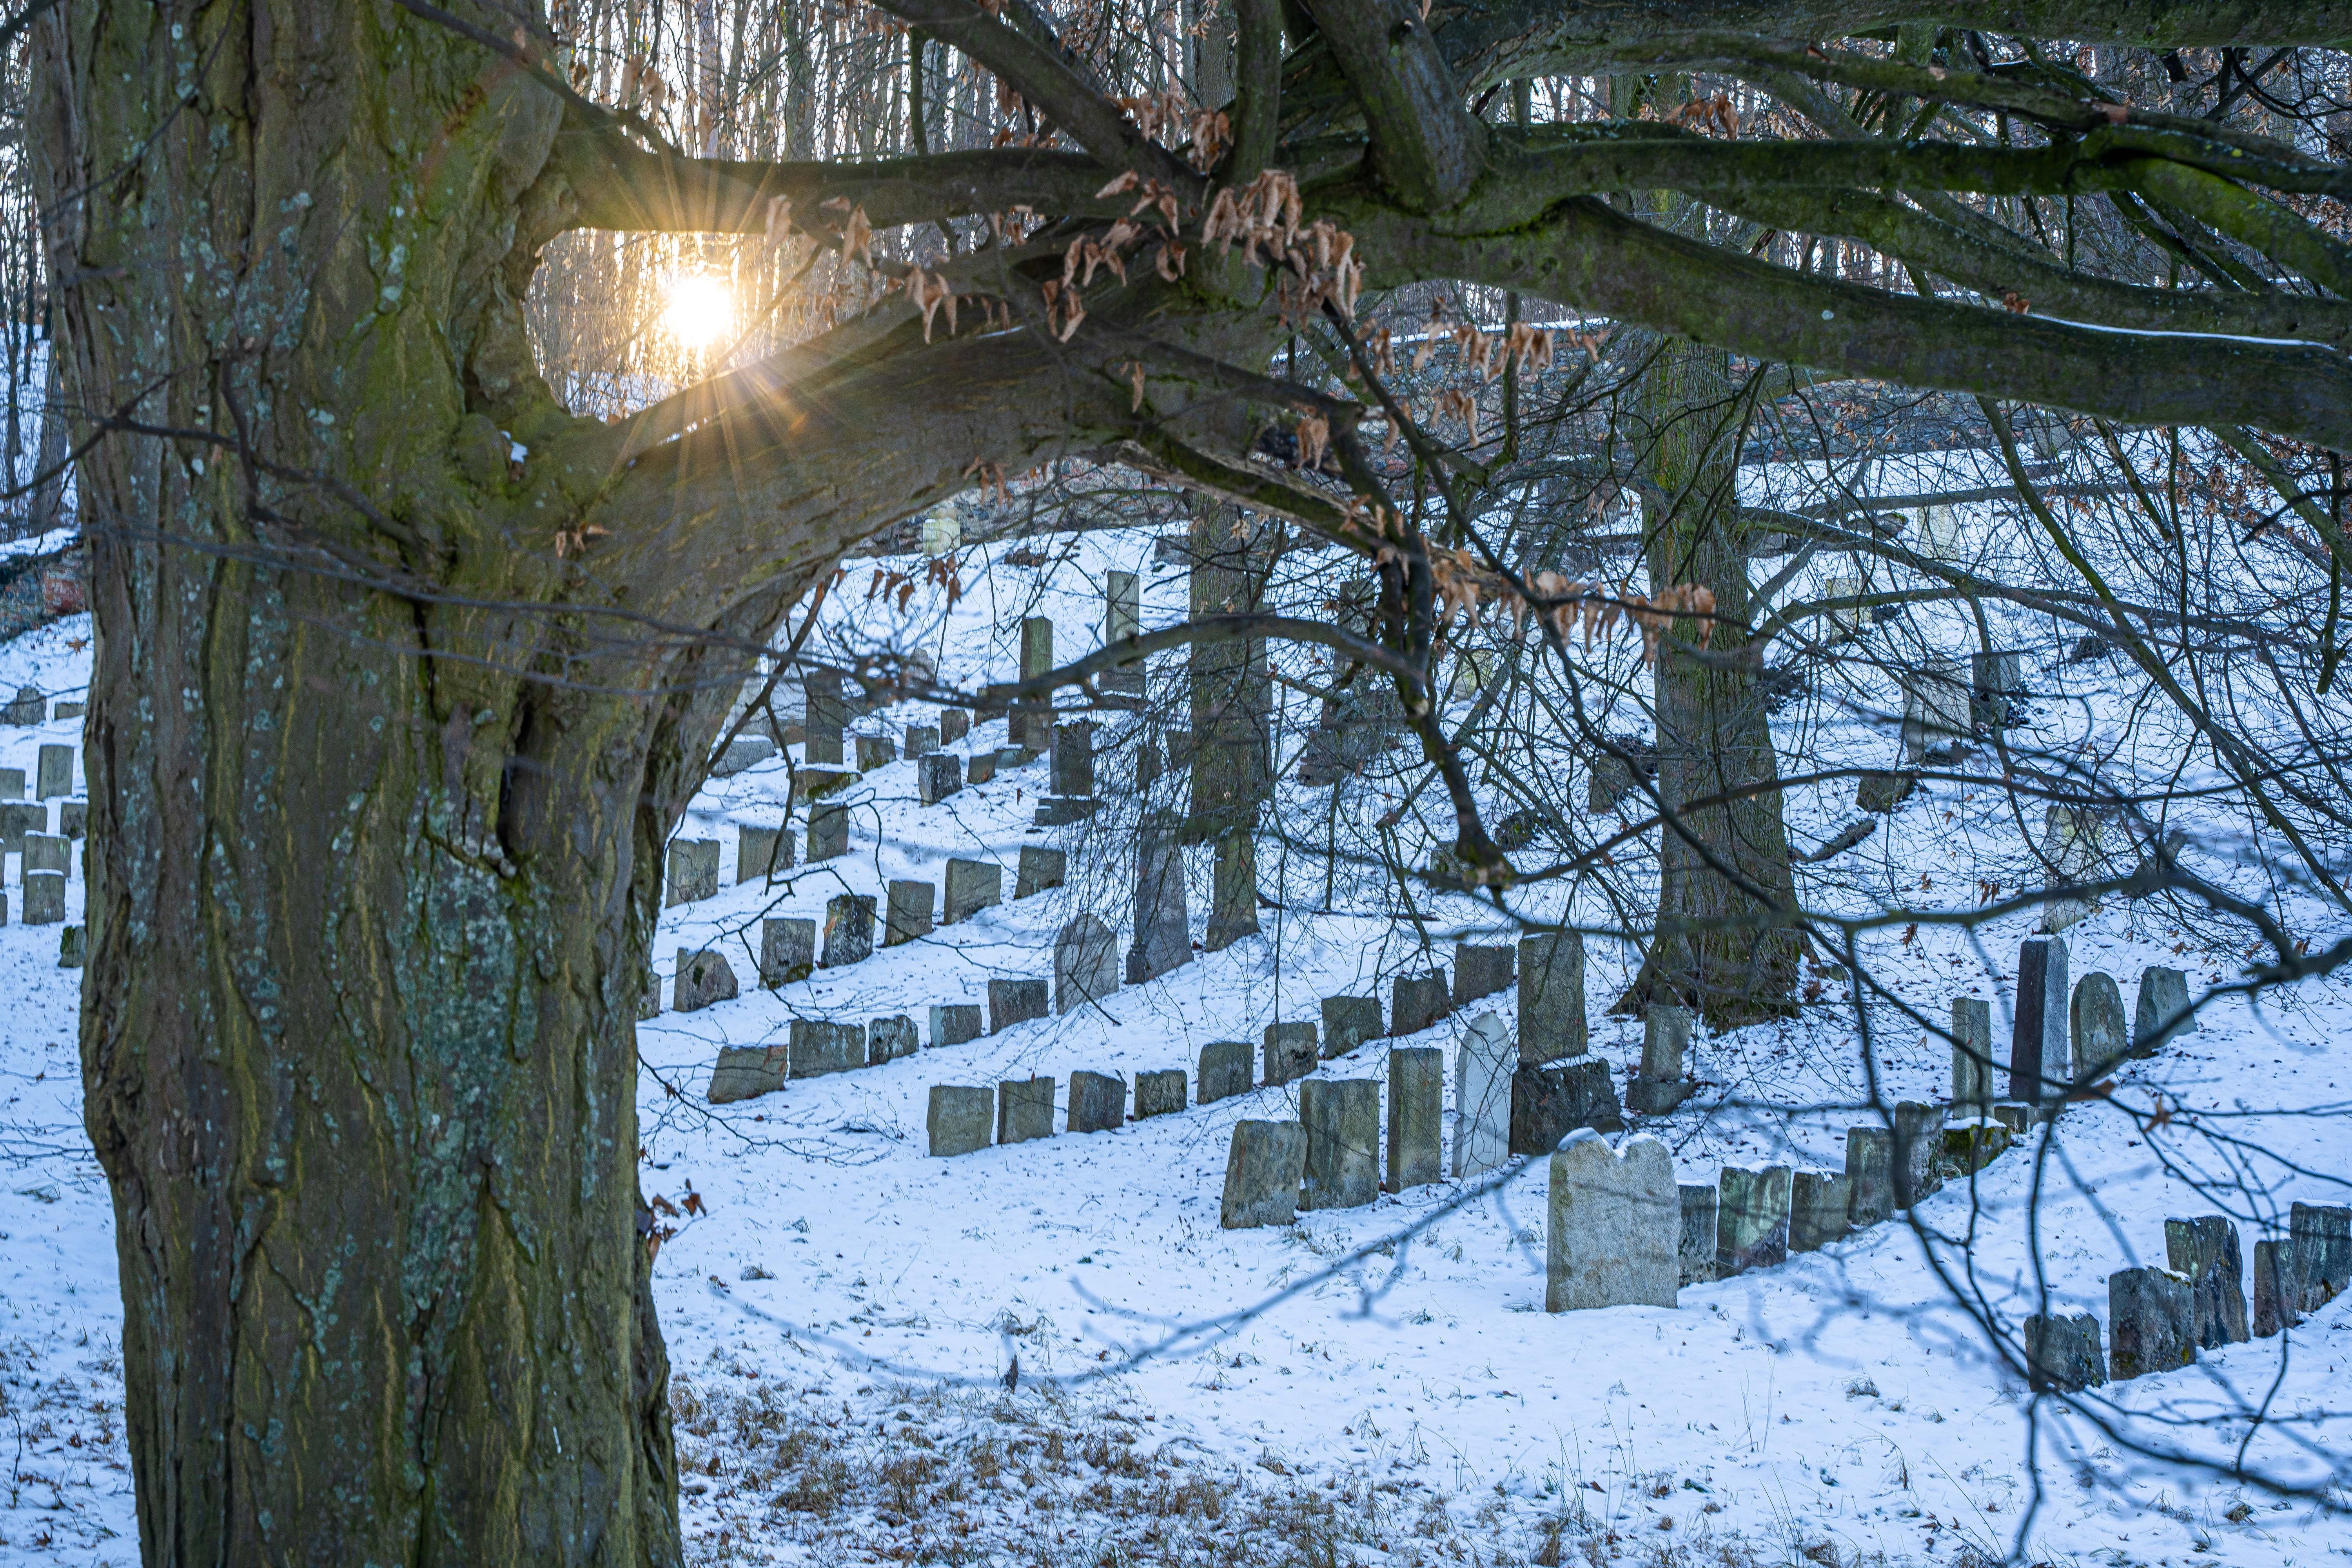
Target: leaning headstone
(959,1118)
(2162,1012)
(1971,1056)
(1074,759)
(1343,1142)
(1416,1117)
(2278,1291)
(56,771)
(2205,1250)
(1097,1102)
(1481,971)
(2062,1355)
(1549,1102)
(1918,1139)
(1659,1087)
(819,1047)
(848,930)
(1697,1253)
(1025,1109)
(2097,1023)
(1039,869)
(1163,936)
(1818,1203)
(828,830)
(760,853)
(1936,701)
(955,1023)
(2151,1323)
(1613,1226)
(887,1039)
(693,871)
(823,717)
(48,852)
(1551,996)
(702,978)
(1012,1001)
(1348,1022)
(1085,963)
(1417,1002)
(1224,1070)
(2070,844)
(73,822)
(909,913)
(1289,1051)
(1264,1168)
(1870,1173)
(922,739)
(1160,1093)
(2041,1062)
(745,1072)
(970,887)
(1751,1222)
(938,775)
(1482,1094)
(787,951)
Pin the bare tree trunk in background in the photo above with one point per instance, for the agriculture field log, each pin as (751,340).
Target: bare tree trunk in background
(48,506)
(1232,702)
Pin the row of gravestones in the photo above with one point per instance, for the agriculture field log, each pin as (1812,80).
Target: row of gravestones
(48,858)
(31,707)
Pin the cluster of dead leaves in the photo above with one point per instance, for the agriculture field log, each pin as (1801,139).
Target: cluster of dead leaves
(1208,130)
(900,587)
(1319,258)
(1463,587)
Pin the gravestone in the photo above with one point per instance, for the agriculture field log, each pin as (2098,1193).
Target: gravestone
(2205,1251)
(18,819)
(1936,710)
(2071,846)
(823,717)
(702,978)
(1996,689)
(1751,1221)
(1818,1203)
(2162,1012)
(2151,1323)
(1918,1139)
(760,853)
(2097,1023)
(2062,1355)
(955,1023)
(818,784)
(1122,619)
(1343,1142)
(2041,1058)
(1613,1226)
(1163,936)
(1074,759)
(2014,1117)
(693,871)
(1060,811)
(955,723)
(1025,1109)
(30,708)
(1551,996)
(1224,1070)
(1348,1022)
(1659,1087)
(1483,1066)
(887,1039)
(787,951)
(1416,1117)
(970,887)
(1970,1148)
(1160,1093)
(876,752)
(743,752)
(1039,869)
(1971,1056)
(73,942)
(48,852)
(69,709)
(1870,1173)
(1085,963)
(937,776)
(909,913)
(12,783)
(980,769)
(1264,1168)
(2321,1235)
(1289,1051)
(1012,1001)
(819,1047)
(1480,971)
(648,993)
(1697,1253)
(1881,790)
(2278,1291)
(1611,778)
(1097,1102)
(1031,721)
(745,1072)
(1549,1102)
(55,766)
(922,739)
(958,1120)
(848,930)
(828,830)
(1417,1002)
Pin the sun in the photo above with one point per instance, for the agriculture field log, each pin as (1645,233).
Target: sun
(699,310)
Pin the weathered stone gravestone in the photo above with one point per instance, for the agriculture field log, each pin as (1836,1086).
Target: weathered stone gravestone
(828,830)
(1481,971)
(1751,1221)
(693,871)
(1030,722)
(1289,1051)
(1612,778)
(18,819)
(1343,1142)
(1122,619)
(12,783)
(887,1039)
(1549,1102)
(2062,1355)
(2205,1251)
(955,723)
(30,708)
(787,951)
(2071,846)
(2097,1023)
(1696,1255)
(1881,790)
(1264,1168)
(1085,963)
(742,753)
(1613,1230)
(819,1047)
(876,752)
(1870,1176)
(2162,1012)
(958,1120)
(745,1072)
(1996,689)
(1416,1117)
(922,739)
(955,1023)
(1659,1087)
(2321,1235)
(73,942)
(823,717)
(1163,933)
(1012,1001)
(1918,1139)
(1097,1102)
(1416,1002)
(48,852)
(1482,1096)
(56,768)
(1936,717)
(2277,1294)
(980,769)
(1551,996)
(702,977)
(937,776)
(760,853)
(1818,1203)
(1039,869)
(1970,1148)
(2151,1323)
(818,784)
(2040,1058)
(1971,1056)
(1348,1022)
(1224,1070)
(1074,759)
(908,914)
(73,822)
(1025,1109)
(972,886)
(1160,1093)
(848,930)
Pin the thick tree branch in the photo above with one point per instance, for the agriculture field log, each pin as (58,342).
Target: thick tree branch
(1257,80)
(1426,145)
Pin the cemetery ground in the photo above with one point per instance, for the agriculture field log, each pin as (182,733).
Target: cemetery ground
(1378,1384)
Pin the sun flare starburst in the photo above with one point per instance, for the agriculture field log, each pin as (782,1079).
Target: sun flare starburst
(699,310)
